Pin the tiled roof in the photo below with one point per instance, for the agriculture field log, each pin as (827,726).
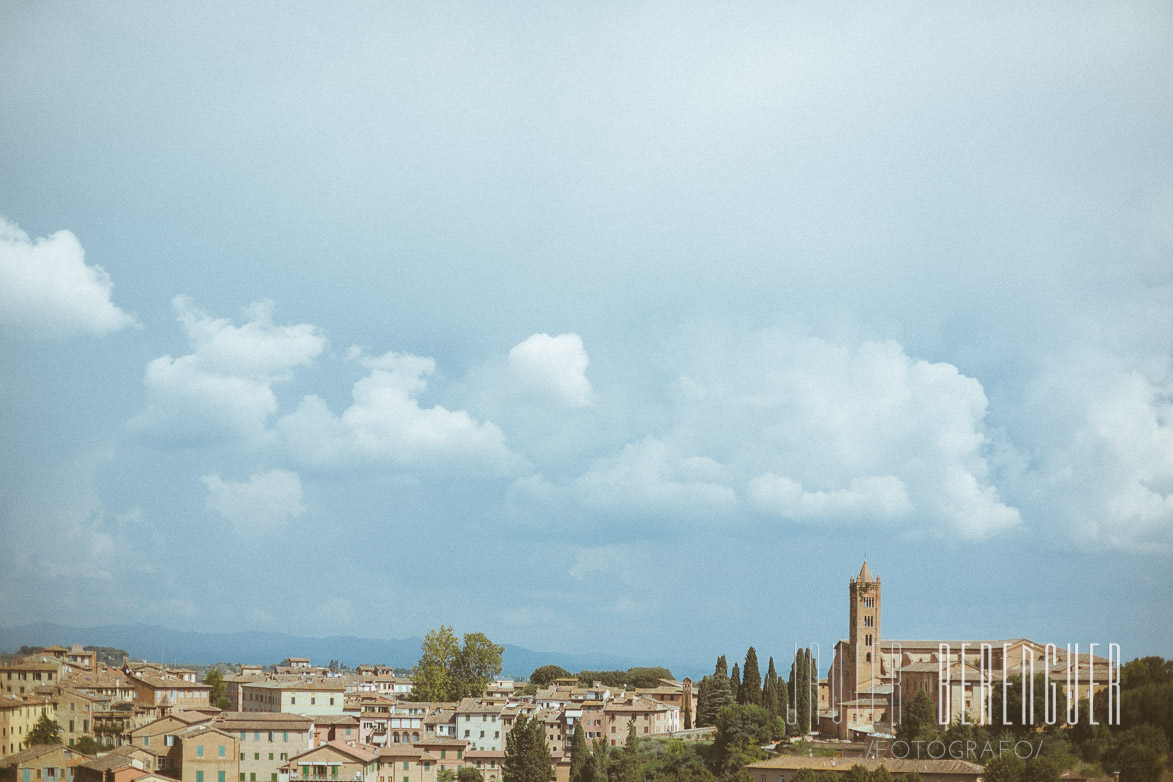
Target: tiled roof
(34,752)
(925,766)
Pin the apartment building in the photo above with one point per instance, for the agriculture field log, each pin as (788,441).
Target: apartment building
(22,677)
(42,763)
(480,724)
(267,741)
(18,715)
(332,762)
(309,698)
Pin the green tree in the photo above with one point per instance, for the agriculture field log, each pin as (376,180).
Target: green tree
(880,774)
(433,674)
(770,691)
(580,754)
(741,730)
(1139,763)
(735,683)
(546,674)
(1007,767)
(527,758)
(446,671)
(687,708)
(88,745)
(446,775)
(715,695)
(630,764)
(918,718)
(857,773)
(46,731)
(805,775)
(218,696)
(750,691)
(803,685)
(478,661)
(469,774)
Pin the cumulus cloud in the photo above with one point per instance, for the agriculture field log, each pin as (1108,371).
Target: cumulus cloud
(831,432)
(1104,453)
(552,367)
(873,498)
(263,503)
(223,389)
(48,290)
(386,423)
(649,477)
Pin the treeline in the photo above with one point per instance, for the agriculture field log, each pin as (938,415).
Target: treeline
(632,678)
(790,704)
(1138,747)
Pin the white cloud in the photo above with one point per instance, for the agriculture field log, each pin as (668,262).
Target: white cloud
(873,498)
(47,290)
(1104,449)
(386,423)
(842,433)
(553,367)
(648,477)
(223,389)
(263,503)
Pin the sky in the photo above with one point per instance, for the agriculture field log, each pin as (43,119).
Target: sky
(594,327)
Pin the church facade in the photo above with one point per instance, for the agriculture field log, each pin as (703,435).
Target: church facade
(872,678)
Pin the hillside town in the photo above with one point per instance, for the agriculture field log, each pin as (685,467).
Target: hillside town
(68,716)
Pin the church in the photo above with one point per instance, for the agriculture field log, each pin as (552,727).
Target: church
(871,678)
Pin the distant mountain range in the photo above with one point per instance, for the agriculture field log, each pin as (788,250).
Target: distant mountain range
(186,646)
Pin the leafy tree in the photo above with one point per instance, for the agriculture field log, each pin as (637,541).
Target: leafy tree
(218,697)
(448,672)
(478,661)
(735,683)
(1139,763)
(741,730)
(546,674)
(446,775)
(88,745)
(632,677)
(527,758)
(918,718)
(857,773)
(433,674)
(46,731)
(750,691)
(911,776)
(580,755)
(469,774)
(880,774)
(805,775)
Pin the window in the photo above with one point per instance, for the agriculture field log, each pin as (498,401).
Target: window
(199,750)
(285,736)
(256,756)
(270,756)
(405,765)
(256,735)
(199,776)
(146,741)
(242,756)
(220,776)
(242,775)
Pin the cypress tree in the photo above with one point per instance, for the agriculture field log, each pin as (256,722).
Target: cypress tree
(580,756)
(750,692)
(630,767)
(770,692)
(527,758)
(714,695)
(734,683)
(687,710)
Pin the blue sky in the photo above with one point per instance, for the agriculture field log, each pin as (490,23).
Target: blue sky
(594,327)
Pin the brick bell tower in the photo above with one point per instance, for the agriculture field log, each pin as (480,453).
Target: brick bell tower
(864,634)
